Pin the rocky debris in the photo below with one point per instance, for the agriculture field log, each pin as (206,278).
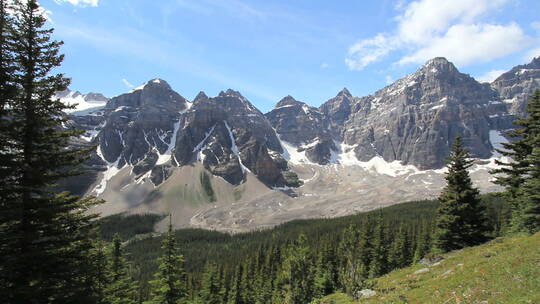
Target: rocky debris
(420,271)
(516,85)
(431,260)
(366,293)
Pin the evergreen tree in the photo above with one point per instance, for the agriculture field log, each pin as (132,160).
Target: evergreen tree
(121,287)
(326,275)
(210,286)
(352,269)
(377,265)
(169,285)
(460,218)
(512,175)
(295,280)
(235,296)
(45,235)
(527,217)
(399,255)
(422,244)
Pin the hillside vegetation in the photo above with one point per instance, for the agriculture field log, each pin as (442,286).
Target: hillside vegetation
(505,270)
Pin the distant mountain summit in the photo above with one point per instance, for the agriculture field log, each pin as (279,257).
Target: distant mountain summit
(219,162)
(83,103)
(516,85)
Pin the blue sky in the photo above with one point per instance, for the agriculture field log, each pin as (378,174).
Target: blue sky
(266,49)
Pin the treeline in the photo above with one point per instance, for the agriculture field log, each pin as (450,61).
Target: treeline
(311,258)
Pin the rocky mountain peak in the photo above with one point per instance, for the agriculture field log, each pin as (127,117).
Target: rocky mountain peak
(94,97)
(288,101)
(439,66)
(230,93)
(344,92)
(200,96)
(515,86)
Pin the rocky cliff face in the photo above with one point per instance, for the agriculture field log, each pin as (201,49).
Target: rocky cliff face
(153,130)
(415,119)
(231,138)
(516,85)
(305,127)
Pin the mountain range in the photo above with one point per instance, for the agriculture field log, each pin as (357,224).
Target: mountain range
(220,163)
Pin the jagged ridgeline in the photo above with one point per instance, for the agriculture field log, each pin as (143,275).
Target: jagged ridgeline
(219,163)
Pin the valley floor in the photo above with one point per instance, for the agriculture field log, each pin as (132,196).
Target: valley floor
(505,270)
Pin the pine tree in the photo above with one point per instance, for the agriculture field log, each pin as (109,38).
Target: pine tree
(377,266)
(45,238)
(235,296)
(169,285)
(121,287)
(512,175)
(210,286)
(460,218)
(352,269)
(527,217)
(398,254)
(295,280)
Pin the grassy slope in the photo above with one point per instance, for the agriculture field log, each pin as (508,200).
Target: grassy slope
(505,270)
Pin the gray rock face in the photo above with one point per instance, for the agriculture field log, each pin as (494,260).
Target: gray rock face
(140,125)
(231,137)
(303,126)
(153,129)
(338,110)
(516,85)
(415,119)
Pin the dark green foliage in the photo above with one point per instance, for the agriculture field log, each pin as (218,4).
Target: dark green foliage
(121,288)
(512,175)
(253,267)
(169,284)
(527,216)
(292,180)
(210,292)
(127,226)
(44,235)
(295,280)
(461,219)
(206,184)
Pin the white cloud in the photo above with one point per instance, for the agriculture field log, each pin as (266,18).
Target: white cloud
(490,76)
(325,65)
(465,44)
(81,3)
(127,83)
(454,29)
(366,52)
(532,54)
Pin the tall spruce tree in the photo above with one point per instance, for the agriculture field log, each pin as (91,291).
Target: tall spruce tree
(295,280)
(513,174)
(169,285)
(460,220)
(210,286)
(527,216)
(121,288)
(45,235)
(7,95)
